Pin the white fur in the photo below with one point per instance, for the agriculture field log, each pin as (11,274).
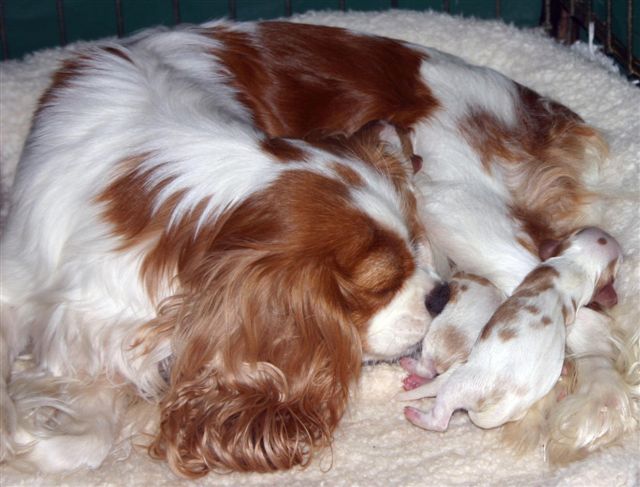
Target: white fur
(452,175)
(467,208)
(473,303)
(505,376)
(80,301)
(409,306)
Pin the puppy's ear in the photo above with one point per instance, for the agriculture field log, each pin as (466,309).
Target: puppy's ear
(264,360)
(605,297)
(549,248)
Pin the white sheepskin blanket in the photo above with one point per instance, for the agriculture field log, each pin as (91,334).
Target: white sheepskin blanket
(375,445)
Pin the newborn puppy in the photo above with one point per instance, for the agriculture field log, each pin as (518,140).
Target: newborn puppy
(518,357)
(452,334)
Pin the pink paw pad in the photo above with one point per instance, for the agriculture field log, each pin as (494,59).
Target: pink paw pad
(412,414)
(413,381)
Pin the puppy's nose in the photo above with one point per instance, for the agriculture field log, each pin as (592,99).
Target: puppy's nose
(438,299)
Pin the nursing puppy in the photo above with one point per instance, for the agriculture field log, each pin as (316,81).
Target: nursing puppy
(453,333)
(520,352)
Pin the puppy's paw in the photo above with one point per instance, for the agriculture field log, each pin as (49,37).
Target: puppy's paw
(413,381)
(434,420)
(422,368)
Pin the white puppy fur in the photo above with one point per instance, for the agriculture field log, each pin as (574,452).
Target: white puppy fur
(519,355)
(453,333)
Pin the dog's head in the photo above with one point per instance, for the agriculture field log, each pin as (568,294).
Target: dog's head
(276,302)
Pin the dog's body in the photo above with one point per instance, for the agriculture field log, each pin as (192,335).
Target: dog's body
(504,169)
(519,354)
(176,253)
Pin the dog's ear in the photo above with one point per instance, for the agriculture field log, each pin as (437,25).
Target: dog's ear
(264,360)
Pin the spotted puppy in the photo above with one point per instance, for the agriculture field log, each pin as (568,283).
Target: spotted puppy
(519,354)
(452,334)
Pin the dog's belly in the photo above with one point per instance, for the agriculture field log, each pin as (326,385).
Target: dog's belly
(466,211)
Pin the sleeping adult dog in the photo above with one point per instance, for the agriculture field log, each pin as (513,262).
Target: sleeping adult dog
(505,169)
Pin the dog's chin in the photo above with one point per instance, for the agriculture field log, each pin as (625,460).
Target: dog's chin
(411,351)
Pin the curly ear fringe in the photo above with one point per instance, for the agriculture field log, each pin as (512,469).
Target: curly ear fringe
(257,426)
(257,385)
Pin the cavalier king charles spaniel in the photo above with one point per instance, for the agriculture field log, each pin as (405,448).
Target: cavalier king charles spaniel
(211,229)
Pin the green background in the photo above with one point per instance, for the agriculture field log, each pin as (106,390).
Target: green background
(34,24)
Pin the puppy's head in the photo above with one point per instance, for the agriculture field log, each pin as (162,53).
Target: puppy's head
(598,253)
(276,304)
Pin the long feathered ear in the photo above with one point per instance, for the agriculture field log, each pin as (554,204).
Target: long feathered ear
(264,360)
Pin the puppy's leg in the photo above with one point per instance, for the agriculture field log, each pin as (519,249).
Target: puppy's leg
(436,419)
(428,389)
(452,395)
(600,411)
(419,373)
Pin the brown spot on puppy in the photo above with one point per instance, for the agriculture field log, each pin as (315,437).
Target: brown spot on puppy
(566,313)
(453,339)
(602,241)
(507,334)
(534,310)
(472,277)
(538,281)
(504,315)
(545,321)
(477,279)
(454,291)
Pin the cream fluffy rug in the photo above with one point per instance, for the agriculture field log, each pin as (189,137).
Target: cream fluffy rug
(375,445)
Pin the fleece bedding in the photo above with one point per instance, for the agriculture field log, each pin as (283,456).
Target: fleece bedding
(375,445)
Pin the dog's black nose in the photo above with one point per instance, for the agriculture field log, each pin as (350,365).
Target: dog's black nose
(438,299)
